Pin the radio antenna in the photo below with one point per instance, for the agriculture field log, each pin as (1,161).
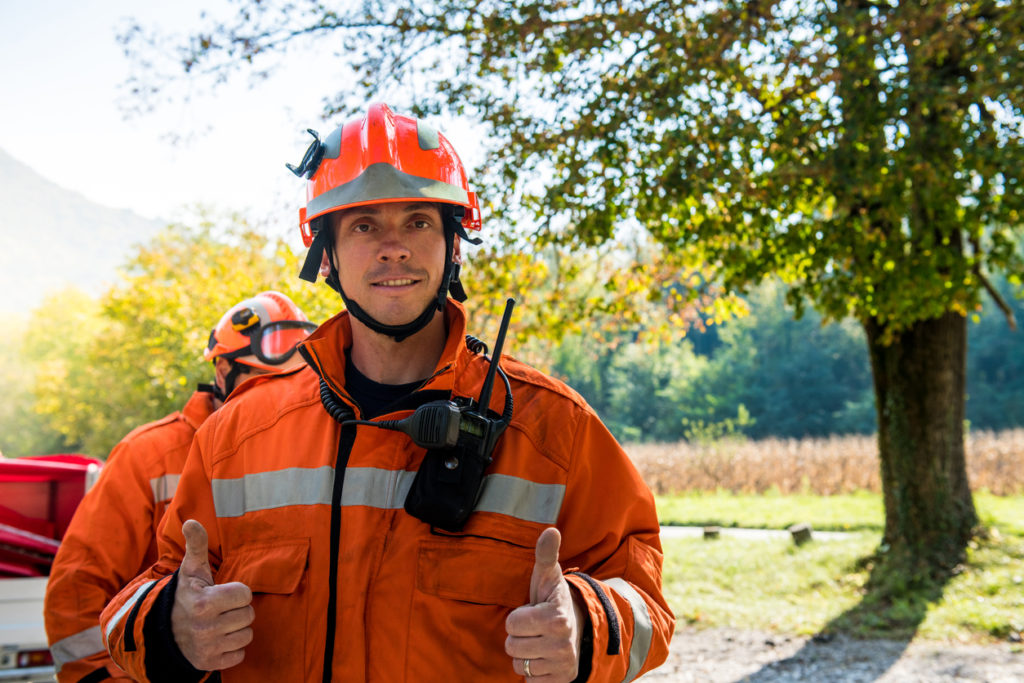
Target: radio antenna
(485,391)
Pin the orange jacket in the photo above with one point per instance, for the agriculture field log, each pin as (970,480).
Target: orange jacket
(112,538)
(407,603)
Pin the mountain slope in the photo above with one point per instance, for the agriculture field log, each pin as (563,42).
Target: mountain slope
(52,237)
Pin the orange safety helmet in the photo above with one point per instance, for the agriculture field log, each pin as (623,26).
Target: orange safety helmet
(383,157)
(261,332)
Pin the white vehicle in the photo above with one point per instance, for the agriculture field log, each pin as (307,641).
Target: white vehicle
(24,655)
(38,496)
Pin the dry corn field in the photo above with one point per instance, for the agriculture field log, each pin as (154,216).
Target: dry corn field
(827,466)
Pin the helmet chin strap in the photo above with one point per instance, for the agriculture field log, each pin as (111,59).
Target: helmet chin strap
(229,382)
(452,222)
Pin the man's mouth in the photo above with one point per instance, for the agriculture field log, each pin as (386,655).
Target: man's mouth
(396,282)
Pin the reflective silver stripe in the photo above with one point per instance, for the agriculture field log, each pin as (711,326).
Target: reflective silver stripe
(378,488)
(521,498)
(126,607)
(257,307)
(383,181)
(164,487)
(268,490)
(426,136)
(643,631)
(77,646)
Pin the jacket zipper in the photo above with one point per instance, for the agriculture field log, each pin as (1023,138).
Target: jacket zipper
(346,439)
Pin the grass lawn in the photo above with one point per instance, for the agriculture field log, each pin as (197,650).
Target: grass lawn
(774,585)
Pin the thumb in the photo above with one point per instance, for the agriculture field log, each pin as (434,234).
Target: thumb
(547,573)
(196,563)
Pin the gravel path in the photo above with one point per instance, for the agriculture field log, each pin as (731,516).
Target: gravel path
(728,655)
(748,534)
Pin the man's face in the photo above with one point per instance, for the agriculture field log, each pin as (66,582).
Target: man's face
(223,367)
(390,258)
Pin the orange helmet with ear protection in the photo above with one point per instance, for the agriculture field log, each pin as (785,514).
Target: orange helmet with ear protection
(261,332)
(382,157)
(376,159)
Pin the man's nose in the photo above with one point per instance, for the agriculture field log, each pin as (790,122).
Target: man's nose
(393,249)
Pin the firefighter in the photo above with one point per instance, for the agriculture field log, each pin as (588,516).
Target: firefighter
(380,515)
(111,538)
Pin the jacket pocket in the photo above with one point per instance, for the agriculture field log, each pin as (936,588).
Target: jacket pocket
(465,588)
(267,567)
(276,572)
(475,570)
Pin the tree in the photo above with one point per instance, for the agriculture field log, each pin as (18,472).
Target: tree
(866,151)
(995,369)
(23,431)
(797,378)
(793,378)
(643,388)
(135,355)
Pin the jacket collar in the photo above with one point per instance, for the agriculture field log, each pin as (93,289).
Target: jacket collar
(198,407)
(325,350)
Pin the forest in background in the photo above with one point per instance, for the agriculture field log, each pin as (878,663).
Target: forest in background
(80,371)
(768,374)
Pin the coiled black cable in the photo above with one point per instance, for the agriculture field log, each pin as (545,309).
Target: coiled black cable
(342,413)
(333,405)
(476,346)
(480,347)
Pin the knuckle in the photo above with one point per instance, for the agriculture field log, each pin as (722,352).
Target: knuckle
(510,621)
(237,640)
(560,622)
(241,592)
(201,603)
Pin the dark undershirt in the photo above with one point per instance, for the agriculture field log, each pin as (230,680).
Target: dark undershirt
(373,397)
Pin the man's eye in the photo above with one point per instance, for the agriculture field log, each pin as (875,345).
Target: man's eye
(421,225)
(361,227)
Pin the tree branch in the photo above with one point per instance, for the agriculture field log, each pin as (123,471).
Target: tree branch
(1011,320)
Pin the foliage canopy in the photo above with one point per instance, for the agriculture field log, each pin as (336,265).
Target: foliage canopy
(136,354)
(866,151)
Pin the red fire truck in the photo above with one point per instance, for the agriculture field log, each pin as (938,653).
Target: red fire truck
(38,496)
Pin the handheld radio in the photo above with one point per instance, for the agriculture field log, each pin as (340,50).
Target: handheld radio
(459,436)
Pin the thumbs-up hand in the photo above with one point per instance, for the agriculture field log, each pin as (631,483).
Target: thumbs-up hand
(210,622)
(544,636)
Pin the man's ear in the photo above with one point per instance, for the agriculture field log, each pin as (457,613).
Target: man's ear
(221,368)
(325,265)
(457,250)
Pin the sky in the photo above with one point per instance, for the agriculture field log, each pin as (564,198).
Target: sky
(61,77)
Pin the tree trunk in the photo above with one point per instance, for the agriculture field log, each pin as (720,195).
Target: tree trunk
(920,396)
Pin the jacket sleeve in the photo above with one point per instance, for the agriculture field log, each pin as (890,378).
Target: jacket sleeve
(105,546)
(136,624)
(612,549)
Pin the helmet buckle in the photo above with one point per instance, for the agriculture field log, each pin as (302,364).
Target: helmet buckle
(305,229)
(311,159)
